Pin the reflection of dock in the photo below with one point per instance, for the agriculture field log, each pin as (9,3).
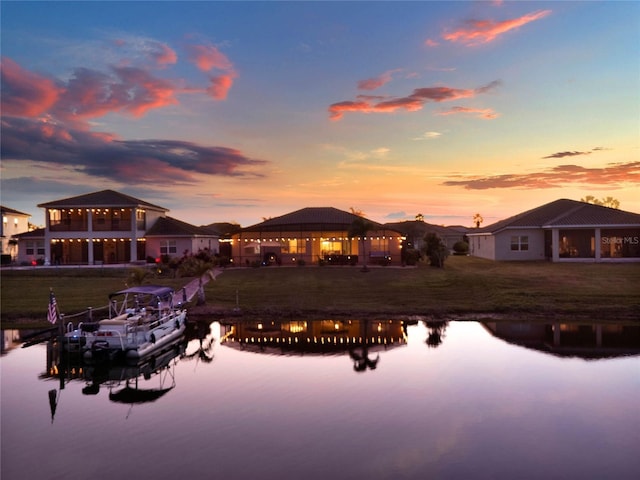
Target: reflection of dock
(313,336)
(584,340)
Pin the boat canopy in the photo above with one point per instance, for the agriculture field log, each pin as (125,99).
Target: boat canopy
(157,290)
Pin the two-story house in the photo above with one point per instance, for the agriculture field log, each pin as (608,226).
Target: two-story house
(110,227)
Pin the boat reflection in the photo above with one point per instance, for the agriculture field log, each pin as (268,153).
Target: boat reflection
(586,340)
(131,382)
(360,339)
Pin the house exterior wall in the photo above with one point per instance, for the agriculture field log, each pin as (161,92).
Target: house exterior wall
(482,246)
(521,244)
(564,244)
(178,246)
(12,224)
(292,247)
(30,251)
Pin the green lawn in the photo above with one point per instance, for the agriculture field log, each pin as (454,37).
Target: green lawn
(465,286)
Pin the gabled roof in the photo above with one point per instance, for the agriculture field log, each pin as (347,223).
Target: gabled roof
(564,213)
(171,227)
(309,219)
(4,210)
(103,199)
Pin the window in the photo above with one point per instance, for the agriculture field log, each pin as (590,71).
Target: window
(620,243)
(295,246)
(35,247)
(141,220)
(167,247)
(520,243)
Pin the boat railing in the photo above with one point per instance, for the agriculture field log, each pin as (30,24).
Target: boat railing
(71,328)
(112,333)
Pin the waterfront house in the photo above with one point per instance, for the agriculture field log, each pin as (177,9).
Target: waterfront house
(313,235)
(561,231)
(110,227)
(13,223)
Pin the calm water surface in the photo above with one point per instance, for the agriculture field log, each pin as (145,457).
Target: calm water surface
(333,400)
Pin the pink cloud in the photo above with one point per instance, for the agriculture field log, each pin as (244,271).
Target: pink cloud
(376,82)
(208,57)
(337,110)
(476,32)
(411,103)
(25,93)
(91,94)
(486,113)
(614,174)
(164,55)
(431,43)
(220,86)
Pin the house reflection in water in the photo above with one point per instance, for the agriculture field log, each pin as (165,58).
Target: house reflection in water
(590,341)
(361,339)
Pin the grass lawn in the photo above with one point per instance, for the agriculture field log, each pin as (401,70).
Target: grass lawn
(466,286)
(24,294)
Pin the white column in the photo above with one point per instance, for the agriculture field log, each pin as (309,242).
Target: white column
(555,244)
(90,257)
(47,236)
(133,248)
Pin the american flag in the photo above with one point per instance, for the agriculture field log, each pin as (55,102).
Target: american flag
(52,314)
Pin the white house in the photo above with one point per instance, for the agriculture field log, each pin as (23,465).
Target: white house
(109,227)
(13,223)
(172,237)
(561,231)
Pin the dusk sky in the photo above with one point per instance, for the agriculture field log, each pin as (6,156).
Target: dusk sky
(236,111)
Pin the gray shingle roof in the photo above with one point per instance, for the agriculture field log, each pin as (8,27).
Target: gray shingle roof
(35,233)
(564,212)
(171,227)
(103,198)
(309,219)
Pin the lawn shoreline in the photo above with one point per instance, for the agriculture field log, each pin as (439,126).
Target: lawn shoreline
(466,289)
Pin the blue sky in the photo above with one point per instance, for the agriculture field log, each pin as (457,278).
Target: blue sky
(236,111)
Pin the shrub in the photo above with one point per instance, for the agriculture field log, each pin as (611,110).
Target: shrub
(461,248)
(435,249)
(411,256)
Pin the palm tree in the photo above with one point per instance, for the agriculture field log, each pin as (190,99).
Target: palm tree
(477,219)
(137,276)
(358,229)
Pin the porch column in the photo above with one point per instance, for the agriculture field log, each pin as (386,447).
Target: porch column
(598,253)
(90,244)
(133,247)
(555,244)
(47,237)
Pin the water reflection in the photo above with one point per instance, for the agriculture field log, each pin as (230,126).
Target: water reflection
(436,332)
(244,400)
(590,341)
(132,382)
(362,340)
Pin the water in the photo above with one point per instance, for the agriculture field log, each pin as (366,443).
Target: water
(455,401)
